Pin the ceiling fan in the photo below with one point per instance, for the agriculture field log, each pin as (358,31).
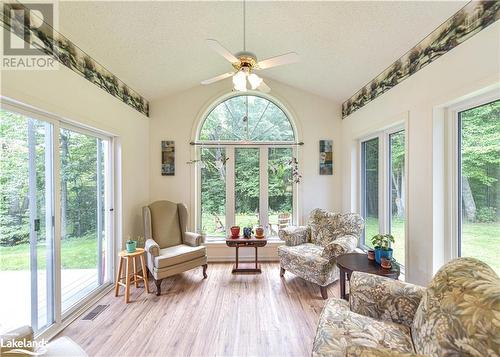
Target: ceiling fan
(245,64)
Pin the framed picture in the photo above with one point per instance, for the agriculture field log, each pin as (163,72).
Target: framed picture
(168,158)
(326,157)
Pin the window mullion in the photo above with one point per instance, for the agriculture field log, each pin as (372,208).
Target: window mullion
(264,194)
(230,189)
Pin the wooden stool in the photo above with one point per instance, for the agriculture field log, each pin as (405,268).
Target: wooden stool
(139,252)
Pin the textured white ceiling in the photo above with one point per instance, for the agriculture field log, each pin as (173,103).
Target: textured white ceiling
(158,48)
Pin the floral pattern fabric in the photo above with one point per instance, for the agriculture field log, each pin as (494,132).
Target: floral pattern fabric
(459,314)
(339,328)
(310,251)
(305,260)
(294,235)
(384,299)
(327,226)
(362,351)
(339,246)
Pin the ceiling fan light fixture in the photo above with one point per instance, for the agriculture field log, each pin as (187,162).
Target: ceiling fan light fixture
(240,81)
(255,81)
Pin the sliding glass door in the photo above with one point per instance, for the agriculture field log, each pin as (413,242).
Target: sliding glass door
(26,229)
(369,189)
(51,260)
(83,229)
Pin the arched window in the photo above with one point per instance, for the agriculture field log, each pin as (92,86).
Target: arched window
(246,145)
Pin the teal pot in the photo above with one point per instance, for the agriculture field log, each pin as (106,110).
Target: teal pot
(381,253)
(131,246)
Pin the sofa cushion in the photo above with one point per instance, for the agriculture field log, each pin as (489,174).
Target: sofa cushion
(339,328)
(178,254)
(306,261)
(459,312)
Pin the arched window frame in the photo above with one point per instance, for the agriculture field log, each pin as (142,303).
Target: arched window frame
(230,147)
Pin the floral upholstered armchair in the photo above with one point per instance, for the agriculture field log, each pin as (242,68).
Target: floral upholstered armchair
(310,251)
(457,315)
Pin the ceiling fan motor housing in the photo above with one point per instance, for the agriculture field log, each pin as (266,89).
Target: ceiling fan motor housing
(248,61)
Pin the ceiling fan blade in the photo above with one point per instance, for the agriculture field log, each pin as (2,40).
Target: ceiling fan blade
(217,47)
(287,58)
(217,78)
(264,88)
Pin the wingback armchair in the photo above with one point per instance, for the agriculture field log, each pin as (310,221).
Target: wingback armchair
(169,247)
(310,251)
(457,315)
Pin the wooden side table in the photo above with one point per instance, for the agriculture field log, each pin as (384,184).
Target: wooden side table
(131,258)
(246,242)
(350,262)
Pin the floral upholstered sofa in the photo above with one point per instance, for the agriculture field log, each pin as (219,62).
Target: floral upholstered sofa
(457,315)
(310,251)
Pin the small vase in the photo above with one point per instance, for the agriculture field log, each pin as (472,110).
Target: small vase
(259,232)
(371,255)
(131,246)
(385,263)
(235,231)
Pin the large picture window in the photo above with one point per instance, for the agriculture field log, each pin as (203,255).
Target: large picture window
(383,188)
(245,148)
(479,183)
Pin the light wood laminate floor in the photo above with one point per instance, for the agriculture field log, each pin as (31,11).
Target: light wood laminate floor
(224,315)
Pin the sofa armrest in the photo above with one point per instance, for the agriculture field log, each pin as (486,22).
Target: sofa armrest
(294,235)
(341,245)
(384,298)
(152,248)
(22,334)
(364,351)
(192,239)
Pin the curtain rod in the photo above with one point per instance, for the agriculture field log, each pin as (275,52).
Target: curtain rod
(194,143)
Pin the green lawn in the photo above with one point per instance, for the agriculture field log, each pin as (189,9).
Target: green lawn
(76,253)
(479,240)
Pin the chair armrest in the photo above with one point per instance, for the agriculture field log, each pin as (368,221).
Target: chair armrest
(341,245)
(294,235)
(152,248)
(364,351)
(192,239)
(384,298)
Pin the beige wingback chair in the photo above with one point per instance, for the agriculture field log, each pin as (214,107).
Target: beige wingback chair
(170,248)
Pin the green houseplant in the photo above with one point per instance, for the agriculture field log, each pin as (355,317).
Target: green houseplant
(382,246)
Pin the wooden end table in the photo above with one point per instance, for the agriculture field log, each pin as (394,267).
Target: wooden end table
(350,262)
(246,243)
(131,258)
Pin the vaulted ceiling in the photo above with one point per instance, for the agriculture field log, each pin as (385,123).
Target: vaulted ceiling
(158,48)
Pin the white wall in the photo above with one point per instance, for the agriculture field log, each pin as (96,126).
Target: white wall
(175,117)
(66,94)
(466,70)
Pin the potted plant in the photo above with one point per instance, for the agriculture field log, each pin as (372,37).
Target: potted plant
(382,246)
(131,246)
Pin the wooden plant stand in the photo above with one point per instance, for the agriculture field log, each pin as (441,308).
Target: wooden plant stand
(131,258)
